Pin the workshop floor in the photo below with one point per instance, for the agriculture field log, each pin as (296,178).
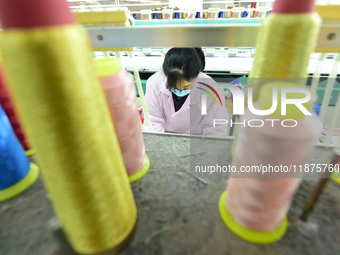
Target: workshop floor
(177,213)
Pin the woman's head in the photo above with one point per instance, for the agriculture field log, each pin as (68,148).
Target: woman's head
(182,65)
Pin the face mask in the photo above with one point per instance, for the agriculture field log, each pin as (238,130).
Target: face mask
(180,93)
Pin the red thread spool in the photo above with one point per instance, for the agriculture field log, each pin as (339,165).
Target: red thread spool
(7,104)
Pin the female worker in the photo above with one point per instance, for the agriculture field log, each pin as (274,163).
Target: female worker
(173,96)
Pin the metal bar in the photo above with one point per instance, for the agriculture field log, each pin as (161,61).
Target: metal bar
(229,138)
(140,91)
(231,133)
(334,122)
(174,36)
(317,73)
(229,35)
(329,87)
(329,38)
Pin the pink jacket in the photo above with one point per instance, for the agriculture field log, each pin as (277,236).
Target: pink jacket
(188,119)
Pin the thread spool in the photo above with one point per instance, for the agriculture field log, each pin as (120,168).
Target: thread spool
(205,14)
(336,171)
(238,12)
(282,49)
(168,14)
(159,14)
(213,13)
(263,12)
(120,95)
(8,106)
(146,15)
(198,15)
(190,14)
(65,112)
(229,12)
(16,174)
(336,177)
(281,52)
(177,14)
(258,203)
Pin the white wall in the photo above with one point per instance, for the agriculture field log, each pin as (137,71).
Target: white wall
(187,4)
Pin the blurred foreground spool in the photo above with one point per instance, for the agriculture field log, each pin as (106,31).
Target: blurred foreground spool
(8,106)
(254,208)
(284,45)
(53,80)
(121,98)
(336,174)
(257,202)
(16,173)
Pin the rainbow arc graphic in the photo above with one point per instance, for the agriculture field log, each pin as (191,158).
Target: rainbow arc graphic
(209,93)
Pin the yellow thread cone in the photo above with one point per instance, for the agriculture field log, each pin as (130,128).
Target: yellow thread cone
(283,47)
(62,105)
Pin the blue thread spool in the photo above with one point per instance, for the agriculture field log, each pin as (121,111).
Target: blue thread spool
(134,16)
(176,15)
(16,173)
(198,15)
(316,109)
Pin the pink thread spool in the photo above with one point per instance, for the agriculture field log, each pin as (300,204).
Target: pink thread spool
(256,203)
(120,95)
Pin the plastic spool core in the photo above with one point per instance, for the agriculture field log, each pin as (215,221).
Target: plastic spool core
(21,185)
(248,234)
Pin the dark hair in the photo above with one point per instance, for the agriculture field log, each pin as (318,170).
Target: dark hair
(182,63)
(201,55)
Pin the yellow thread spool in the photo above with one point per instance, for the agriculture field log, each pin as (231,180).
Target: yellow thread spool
(283,47)
(336,174)
(63,107)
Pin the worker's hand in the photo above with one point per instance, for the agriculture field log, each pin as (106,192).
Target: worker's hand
(238,84)
(227,93)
